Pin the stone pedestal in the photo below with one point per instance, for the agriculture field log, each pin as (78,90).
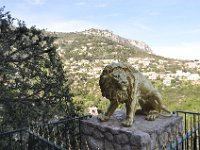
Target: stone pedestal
(143,135)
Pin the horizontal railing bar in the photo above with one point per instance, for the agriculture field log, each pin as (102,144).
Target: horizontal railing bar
(13,131)
(187,112)
(65,120)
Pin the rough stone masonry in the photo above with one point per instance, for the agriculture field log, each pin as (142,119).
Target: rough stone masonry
(142,135)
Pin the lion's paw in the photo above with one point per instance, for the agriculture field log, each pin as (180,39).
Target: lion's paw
(127,122)
(103,118)
(152,116)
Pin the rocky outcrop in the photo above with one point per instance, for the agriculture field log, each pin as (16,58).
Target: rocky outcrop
(110,35)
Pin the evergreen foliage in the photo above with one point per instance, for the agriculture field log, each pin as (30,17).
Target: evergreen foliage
(33,86)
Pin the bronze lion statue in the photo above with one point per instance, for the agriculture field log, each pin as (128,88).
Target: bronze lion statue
(121,83)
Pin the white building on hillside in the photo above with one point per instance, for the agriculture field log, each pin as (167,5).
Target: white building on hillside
(193,77)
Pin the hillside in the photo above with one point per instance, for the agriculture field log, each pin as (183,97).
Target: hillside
(85,53)
(120,40)
(90,46)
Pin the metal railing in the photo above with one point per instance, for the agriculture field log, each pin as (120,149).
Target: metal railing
(189,138)
(66,134)
(24,139)
(59,135)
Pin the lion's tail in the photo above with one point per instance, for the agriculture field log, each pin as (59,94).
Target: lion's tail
(168,114)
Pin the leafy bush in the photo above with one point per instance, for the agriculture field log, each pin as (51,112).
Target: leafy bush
(32,81)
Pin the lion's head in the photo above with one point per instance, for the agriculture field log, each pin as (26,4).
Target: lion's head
(116,82)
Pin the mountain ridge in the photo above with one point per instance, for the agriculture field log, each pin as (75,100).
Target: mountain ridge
(121,40)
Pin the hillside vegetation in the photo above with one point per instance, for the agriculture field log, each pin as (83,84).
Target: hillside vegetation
(84,55)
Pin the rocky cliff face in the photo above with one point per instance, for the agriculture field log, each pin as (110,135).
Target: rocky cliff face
(110,35)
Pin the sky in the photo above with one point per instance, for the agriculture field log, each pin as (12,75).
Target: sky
(170,27)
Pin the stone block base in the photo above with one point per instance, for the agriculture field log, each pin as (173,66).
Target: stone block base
(143,135)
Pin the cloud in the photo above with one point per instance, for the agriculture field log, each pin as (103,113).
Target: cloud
(36,2)
(192,31)
(154,13)
(101,5)
(186,50)
(115,14)
(142,27)
(80,3)
(67,26)
(132,28)
(93,4)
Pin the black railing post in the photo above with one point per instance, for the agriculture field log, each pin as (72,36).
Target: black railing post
(65,135)
(21,140)
(182,138)
(10,141)
(80,134)
(191,127)
(30,141)
(186,130)
(195,135)
(187,140)
(199,131)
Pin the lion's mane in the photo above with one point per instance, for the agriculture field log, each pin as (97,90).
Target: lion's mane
(111,88)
